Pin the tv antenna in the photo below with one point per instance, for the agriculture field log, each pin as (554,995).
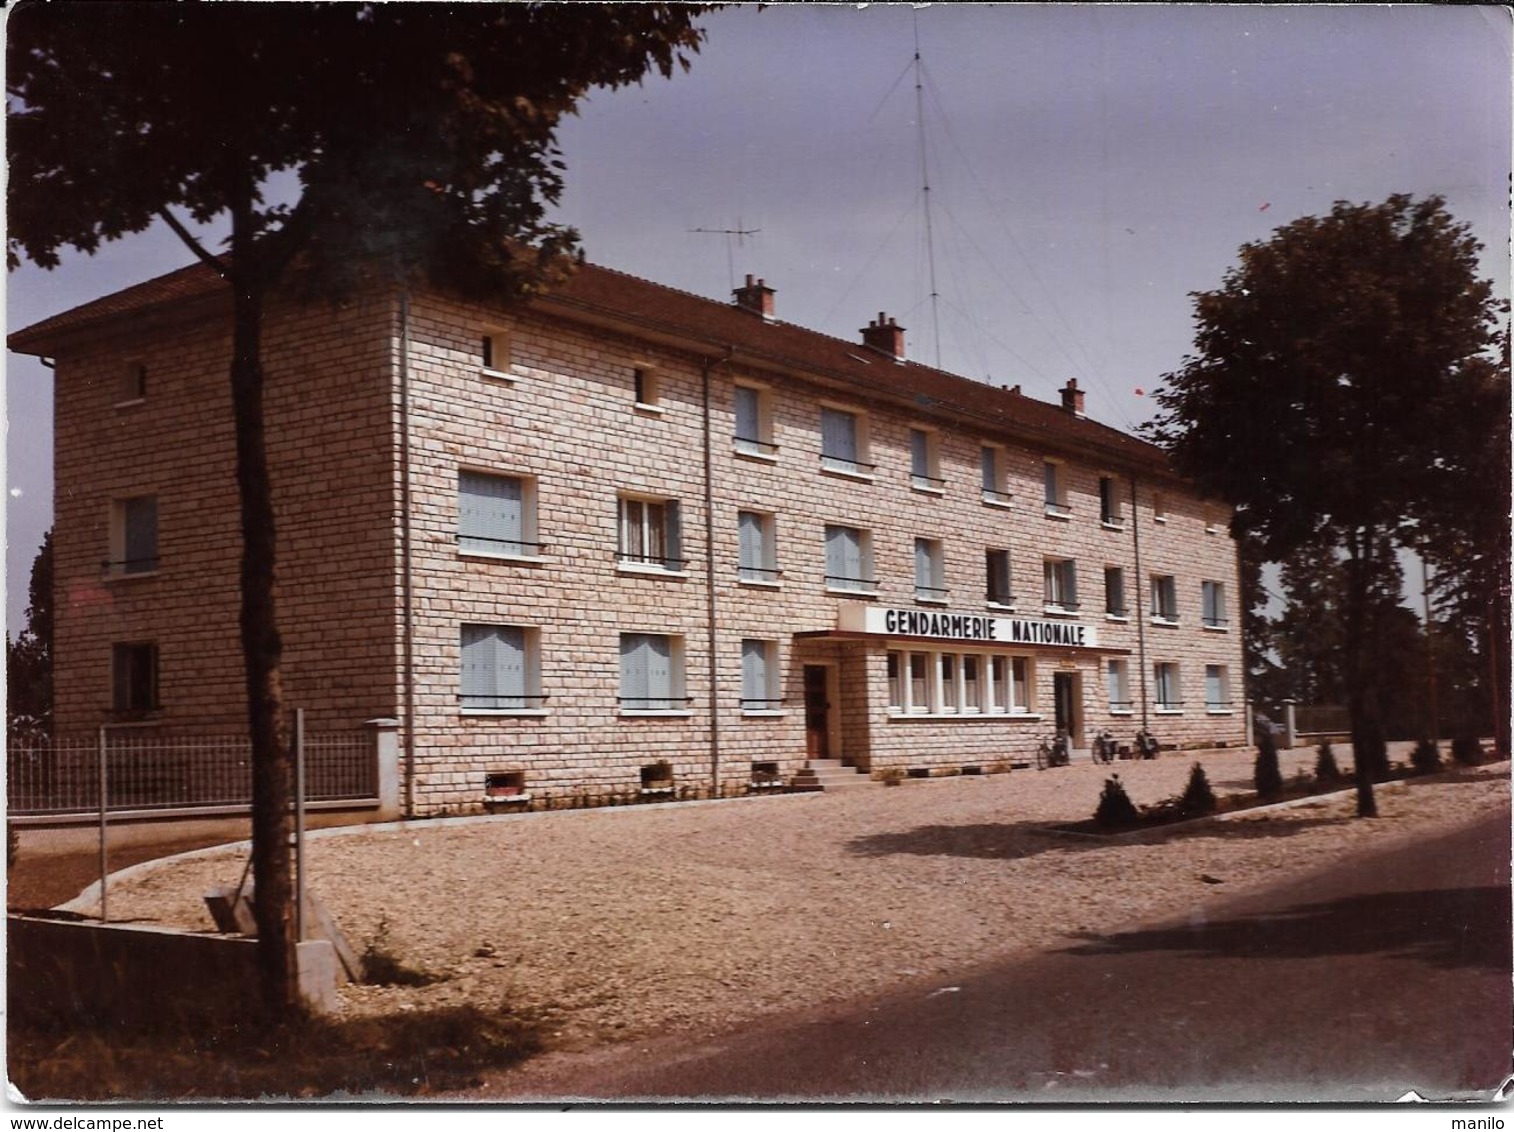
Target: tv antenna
(733,237)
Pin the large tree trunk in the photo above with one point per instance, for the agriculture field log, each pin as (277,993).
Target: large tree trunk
(1368,751)
(261,650)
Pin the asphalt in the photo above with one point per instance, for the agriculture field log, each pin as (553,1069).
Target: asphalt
(1361,981)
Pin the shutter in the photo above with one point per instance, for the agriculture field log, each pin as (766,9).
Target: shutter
(660,688)
(1215,684)
(633,670)
(746,414)
(754,674)
(478,669)
(490,513)
(838,435)
(1051,483)
(919,453)
(1070,582)
(990,470)
(835,552)
(510,666)
(923,578)
(752,556)
(673,554)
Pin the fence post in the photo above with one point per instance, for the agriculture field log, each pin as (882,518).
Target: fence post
(1290,725)
(1250,723)
(299,825)
(386,749)
(104,855)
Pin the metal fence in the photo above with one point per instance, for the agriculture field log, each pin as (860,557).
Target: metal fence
(1322,719)
(64,775)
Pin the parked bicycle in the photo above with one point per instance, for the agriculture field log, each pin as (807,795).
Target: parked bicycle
(1104,747)
(1052,751)
(1147,745)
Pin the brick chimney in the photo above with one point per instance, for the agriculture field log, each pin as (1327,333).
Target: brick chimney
(1072,397)
(756,297)
(886,336)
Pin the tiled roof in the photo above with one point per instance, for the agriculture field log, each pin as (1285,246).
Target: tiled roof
(606,294)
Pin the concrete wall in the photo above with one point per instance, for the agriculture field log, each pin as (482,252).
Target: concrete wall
(121,974)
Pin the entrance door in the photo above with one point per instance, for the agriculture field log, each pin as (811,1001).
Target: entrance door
(1064,686)
(817,712)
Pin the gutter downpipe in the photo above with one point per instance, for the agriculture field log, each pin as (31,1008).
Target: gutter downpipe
(406,589)
(1135,529)
(709,572)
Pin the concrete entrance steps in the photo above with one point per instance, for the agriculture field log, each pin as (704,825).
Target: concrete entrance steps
(830,774)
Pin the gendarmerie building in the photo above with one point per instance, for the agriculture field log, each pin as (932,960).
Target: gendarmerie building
(620,526)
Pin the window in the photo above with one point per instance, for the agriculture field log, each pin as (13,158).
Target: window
(1114,591)
(895,681)
(1056,491)
(924,461)
(1216,688)
(499,669)
(945,683)
(919,682)
(494,353)
(759,676)
(1211,519)
(1168,687)
(496,515)
(930,582)
(948,670)
(1019,668)
(1111,513)
(133,382)
(1164,599)
(849,560)
(1159,506)
(651,673)
(972,683)
(134,678)
(754,422)
(645,387)
(995,485)
(1118,678)
(999,591)
(759,551)
(650,534)
(843,443)
(1214,605)
(1061,585)
(133,536)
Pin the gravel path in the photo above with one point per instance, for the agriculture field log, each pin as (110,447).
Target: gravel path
(623,922)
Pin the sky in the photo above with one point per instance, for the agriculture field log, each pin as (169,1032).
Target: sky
(1089,167)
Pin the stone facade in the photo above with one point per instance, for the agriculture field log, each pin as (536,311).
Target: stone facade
(373,571)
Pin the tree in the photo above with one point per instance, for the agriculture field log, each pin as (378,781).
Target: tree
(29,658)
(422,139)
(1322,365)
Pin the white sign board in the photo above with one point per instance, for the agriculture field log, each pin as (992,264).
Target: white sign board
(973,627)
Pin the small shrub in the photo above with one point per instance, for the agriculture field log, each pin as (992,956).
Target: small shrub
(1325,767)
(1466,750)
(1425,758)
(1269,776)
(1115,810)
(1198,797)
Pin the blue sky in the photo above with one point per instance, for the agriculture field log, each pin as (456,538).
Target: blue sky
(1089,167)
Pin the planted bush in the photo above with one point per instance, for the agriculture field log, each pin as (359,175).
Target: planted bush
(1116,810)
(1198,798)
(1269,776)
(1325,768)
(1425,758)
(1466,750)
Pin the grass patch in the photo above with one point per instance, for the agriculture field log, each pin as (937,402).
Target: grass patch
(397,1055)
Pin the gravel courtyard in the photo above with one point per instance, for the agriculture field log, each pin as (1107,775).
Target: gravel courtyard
(613,923)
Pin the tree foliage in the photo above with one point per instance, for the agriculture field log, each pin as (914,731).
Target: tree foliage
(1327,402)
(29,658)
(342,143)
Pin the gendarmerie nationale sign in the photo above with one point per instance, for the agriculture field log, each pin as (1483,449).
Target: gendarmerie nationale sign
(973,627)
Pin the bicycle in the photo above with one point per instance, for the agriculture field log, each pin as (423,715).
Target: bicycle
(1147,745)
(1104,747)
(1052,751)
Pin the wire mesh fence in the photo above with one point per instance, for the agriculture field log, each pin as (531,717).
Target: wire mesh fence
(143,772)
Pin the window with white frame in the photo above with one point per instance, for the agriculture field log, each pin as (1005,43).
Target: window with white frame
(1020,684)
(645,386)
(1114,591)
(758,548)
(999,590)
(651,673)
(849,560)
(133,536)
(930,571)
(494,353)
(946,673)
(1117,678)
(995,477)
(753,421)
(650,534)
(1214,605)
(1056,490)
(1111,510)
(1061,575)
(1216,688)
(919,682)
(496,515)
(973,687)
(759,676)
(925,461)
(1169,689)
(499,669)
(134,677)
(896,680)
(958,683)
(843,442)
(1164,599)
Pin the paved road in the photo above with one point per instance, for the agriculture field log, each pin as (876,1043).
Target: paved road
(1384,974)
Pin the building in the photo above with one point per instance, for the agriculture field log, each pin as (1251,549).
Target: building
(622,526)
